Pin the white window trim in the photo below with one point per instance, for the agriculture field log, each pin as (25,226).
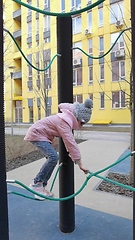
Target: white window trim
(102,94)
(90,80)
(75,25)
(75,82)
(120,97)
(121,78)
(101,79)
(100,24)
(119,11)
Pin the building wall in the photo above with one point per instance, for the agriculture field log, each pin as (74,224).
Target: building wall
(13,57)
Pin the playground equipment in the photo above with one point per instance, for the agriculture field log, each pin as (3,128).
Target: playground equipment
(64,41)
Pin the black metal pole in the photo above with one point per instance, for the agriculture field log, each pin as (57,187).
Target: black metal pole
(65,94)
(133,68)
(3,187)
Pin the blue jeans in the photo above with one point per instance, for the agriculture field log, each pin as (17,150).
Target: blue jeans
(51,160)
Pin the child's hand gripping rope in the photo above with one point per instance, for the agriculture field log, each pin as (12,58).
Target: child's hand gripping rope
(79,162)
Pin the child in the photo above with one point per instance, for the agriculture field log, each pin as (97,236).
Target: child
(42,133)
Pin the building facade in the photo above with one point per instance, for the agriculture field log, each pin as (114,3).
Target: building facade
(31,94)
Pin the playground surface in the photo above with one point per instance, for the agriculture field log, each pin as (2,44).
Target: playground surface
(98,215)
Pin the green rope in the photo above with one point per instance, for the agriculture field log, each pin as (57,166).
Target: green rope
(112,181)
(41,70)
(46,197)
(103,55)
(96,174)
(59,14)
(55,176)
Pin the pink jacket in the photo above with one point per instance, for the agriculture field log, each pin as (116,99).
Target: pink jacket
(59,125)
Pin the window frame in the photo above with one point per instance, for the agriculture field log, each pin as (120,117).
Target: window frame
(102,100)
(76,79)
(119,75)
(118,104)
(102,79)
(77,28)
(100,17)
(116,15)
(90,81)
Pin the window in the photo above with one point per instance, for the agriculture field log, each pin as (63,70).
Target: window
(46,3)
(62,5)
(30,84)
(118,99)
(90,19)
(76,3)
(77,76)
(46,29)
(37,26)
(47,83)
(101,45)
(18,111)
(116,11)
(29,45)
(77,65)
(38,72)
(30,106)
(90,74)
(48,71)
(29,10)
(38,108)
(90,95)
(101,73)
(100,17)
(39,113)
(118,71)
(120,42)
(90,46)
(47,74)
(76,23)
(102,103)
(46,23)
(31,114)
(49,105)
(29,29)
(77,98)
(37,3)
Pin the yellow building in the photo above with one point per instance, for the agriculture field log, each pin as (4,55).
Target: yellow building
(32,94)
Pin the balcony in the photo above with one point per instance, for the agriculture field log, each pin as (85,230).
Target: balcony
(17,94)
(46,34)
(17,15)
(17,75)
(17,35)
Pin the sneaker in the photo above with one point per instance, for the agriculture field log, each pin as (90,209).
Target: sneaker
(38,187)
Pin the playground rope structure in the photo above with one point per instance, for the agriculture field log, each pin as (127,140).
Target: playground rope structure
(38,69)
(103,55)
(59,55)
(90,175)
(67,14)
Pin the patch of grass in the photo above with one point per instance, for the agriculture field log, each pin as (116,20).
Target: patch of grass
(107,128)
(16,146)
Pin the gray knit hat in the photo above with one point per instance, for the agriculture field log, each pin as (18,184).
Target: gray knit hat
(82,111)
